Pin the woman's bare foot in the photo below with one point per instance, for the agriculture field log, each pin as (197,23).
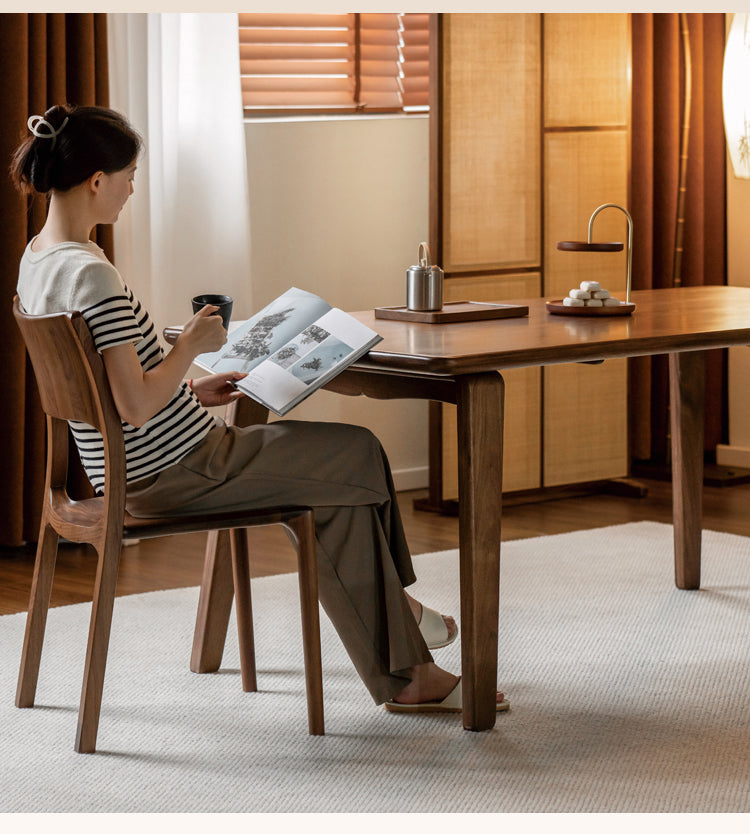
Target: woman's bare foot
(416,610)
(430,683)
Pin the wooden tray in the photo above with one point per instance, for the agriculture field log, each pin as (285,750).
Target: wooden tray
(454,311)
(557,308)
(581,246)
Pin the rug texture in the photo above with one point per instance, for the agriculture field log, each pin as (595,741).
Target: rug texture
(627,695)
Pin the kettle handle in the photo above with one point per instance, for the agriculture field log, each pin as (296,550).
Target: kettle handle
(424,260)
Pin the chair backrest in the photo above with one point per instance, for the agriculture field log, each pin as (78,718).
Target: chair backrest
(60,348)
(73,385)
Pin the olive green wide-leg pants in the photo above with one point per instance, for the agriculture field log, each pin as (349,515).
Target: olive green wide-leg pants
(363,558)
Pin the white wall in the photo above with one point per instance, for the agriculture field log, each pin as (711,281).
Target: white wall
(737,451)
(339,207)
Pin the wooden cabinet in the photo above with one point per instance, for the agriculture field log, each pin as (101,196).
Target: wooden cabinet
(530,133)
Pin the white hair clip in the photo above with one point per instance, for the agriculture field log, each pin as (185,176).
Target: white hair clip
(35,122)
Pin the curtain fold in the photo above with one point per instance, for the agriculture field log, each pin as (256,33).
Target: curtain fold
(660,59)
(186,230)
(45,59)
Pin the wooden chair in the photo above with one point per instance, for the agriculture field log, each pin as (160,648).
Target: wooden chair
(73,385)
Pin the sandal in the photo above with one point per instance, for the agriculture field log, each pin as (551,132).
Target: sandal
(434,630)
(453,702)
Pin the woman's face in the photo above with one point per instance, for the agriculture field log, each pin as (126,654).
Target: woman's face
(114,192)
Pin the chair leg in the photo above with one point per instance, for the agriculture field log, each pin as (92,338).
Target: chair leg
(303,530)
(36,620)
(214,604)
(244,608)
(98,643)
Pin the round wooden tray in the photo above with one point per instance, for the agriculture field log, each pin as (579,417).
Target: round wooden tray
(557,308)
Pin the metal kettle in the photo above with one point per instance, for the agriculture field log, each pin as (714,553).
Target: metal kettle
(424,283)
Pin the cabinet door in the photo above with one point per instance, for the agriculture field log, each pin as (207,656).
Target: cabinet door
(585,170)
(585,422)
(586,70)
(489,121)
(586,156)
(521,455)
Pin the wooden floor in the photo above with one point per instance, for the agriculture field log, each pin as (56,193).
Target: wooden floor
(177,562)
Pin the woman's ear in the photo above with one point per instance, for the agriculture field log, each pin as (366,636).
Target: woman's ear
(94,181)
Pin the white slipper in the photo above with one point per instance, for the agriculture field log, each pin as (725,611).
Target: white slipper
(434,630)
(453,702)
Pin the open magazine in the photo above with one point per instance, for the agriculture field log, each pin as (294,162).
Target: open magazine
(290,348)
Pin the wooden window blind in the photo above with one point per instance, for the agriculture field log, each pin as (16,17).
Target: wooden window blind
(334,63)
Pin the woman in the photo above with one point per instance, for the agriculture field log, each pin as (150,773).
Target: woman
(180,459)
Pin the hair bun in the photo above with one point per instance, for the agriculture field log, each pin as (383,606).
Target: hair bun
(56,115)
(68,144)
(48,127)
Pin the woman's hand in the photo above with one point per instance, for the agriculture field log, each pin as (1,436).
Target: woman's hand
(204,333)
(217,389)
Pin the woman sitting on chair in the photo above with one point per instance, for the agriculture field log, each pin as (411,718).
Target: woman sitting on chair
(180,459)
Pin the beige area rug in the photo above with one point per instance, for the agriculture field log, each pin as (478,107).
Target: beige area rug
(627,695)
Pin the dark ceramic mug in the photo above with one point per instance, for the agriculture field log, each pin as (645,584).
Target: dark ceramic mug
(223,302)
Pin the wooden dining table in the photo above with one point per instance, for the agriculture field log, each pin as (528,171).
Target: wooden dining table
(462,363)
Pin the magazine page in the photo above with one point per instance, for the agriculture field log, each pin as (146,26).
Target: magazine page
(264,333)
(302,365)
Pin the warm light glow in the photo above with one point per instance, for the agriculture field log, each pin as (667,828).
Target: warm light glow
(736,94)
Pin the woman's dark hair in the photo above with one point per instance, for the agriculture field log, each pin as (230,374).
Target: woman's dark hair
(93,139)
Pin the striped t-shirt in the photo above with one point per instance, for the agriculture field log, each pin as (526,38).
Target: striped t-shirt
(76,276)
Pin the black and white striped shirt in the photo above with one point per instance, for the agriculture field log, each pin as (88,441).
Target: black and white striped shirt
(73,276)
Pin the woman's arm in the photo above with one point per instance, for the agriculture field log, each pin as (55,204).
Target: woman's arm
(140,394)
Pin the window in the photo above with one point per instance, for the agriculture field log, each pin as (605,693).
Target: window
(334,63)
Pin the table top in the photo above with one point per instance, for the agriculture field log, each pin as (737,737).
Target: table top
(664,321)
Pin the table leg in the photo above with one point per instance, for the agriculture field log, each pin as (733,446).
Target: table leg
(480,404)
(687,386)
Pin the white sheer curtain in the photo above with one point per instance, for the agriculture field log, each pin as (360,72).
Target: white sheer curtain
(186,229)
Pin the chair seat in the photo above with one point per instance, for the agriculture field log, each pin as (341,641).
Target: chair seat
(82,515)
(142,528)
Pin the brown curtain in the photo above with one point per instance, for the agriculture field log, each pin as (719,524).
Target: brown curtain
(660,58)
(45,59)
